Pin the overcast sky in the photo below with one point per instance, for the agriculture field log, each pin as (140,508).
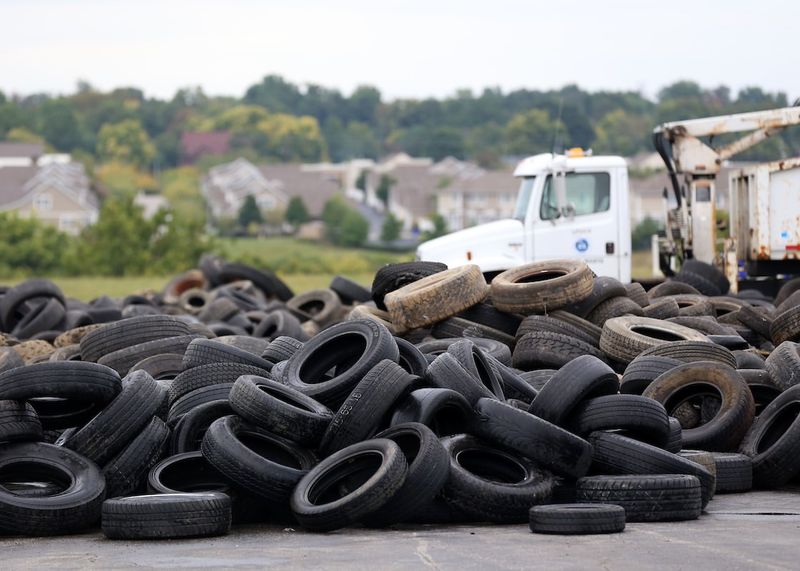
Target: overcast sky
(414,48)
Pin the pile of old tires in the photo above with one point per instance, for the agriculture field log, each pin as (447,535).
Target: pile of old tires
(550,396)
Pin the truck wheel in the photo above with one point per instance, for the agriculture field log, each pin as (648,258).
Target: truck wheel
(542,286)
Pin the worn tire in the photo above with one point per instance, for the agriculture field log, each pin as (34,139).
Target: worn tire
(541,286)
(577,519)
(625,338)
(545,350)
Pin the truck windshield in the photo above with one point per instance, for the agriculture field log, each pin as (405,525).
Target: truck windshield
(524,197)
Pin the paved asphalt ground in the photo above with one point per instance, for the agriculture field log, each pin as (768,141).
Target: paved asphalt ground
(758,530)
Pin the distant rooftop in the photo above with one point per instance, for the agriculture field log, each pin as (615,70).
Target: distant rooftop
(21,150)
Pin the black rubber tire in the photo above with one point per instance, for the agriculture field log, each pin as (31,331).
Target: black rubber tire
(196,398)
(514,386)
(551,447)
(734,473)
(371,401)
(247,343)
(587,327)
(262,463)
(582,378)
(700,283)
(661,497)
(540,287)
(19,422)
(773,442)
(783,365)
(709,272)
(355,346)
(489,316)
(444,411)
(704,459)
(537,379)
(477,363)
(428,470)
(126,473)
(16,297)
(675,442)
(702,323)
(188,432)
(637,293)
(123,359)
(210,374)
(644,370)
(163,367)
(620,455)
(281,349)
(394,276)
(280,409)
(411,358)
(208,351)
(757,319)
(547,323)
(577,519)
(64,379)
(496,349)
(614,307)
(167,516)
(9,359)
(725,430)
(349,486)
(662,308)
(44,317)
(691,351)
(117,424)
(671,287)
(322,306)
(127,332)
(349,292)
(545,350)
(603,288)
(640,417)
(487,484)
(445,372)
(460,327)
(749,359)
(75,508)
(265,280)
(280,324)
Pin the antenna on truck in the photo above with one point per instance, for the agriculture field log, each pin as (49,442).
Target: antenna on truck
(558,124)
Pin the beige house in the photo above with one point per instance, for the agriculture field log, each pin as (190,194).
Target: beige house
(59,194)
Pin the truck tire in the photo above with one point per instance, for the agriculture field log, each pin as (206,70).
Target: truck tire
(660,497)
(542,349)
(577,519)
(349,486)
(436,297)
(625,338)
(167,516)
(542,286)
(551,447)
(488,484)
(725,430)
(773,442)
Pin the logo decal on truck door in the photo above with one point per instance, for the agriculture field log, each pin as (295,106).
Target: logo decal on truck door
(582,245)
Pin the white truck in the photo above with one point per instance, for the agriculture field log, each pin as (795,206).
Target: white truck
(576,206)
(568,206)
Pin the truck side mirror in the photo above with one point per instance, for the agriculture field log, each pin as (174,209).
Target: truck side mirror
(561,192)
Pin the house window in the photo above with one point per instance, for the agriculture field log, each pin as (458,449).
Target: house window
(43,201)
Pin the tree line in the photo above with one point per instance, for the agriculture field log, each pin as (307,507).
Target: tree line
(279,121)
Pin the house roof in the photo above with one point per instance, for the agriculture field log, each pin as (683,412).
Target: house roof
(21,150)
(315,188)
(12,183)
(194,145)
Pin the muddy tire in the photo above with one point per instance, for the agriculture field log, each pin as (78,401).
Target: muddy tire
(542,286)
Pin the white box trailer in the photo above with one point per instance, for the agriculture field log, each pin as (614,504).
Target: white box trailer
(764,222)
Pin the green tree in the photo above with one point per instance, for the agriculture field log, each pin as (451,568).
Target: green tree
(640,237)
(384,188)
(60,125)
(126,142)
(181,188)
(531,132)
(30,247)
(249,213)
(439,227)
(296,211)
(344,226)
(623,133)
(361,181)
(392,226)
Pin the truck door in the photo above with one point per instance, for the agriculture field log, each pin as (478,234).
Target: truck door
(586,227)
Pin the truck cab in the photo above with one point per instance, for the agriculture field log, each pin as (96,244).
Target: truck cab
(568,206)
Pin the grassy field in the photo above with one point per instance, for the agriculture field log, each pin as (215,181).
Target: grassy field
(303,265)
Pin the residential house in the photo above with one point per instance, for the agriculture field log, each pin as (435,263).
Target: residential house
(13,154)
(59,194)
